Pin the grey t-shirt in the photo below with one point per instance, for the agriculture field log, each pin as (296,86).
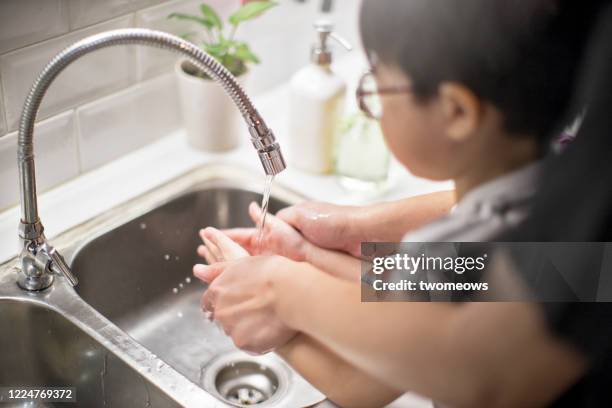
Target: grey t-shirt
(486,211)
(483,214)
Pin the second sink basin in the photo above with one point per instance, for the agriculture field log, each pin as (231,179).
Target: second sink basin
(39,346)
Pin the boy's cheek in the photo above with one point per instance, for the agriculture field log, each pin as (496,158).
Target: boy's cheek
(415,136)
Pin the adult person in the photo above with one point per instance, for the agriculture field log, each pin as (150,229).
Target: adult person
(475,354)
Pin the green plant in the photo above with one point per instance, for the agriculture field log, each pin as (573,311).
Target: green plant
(220,42)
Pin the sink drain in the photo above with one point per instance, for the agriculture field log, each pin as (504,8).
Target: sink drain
(246,383)
(243,380)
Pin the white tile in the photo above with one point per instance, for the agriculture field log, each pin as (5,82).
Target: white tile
(152,61)
(25,22)
(283,37)
(87,12)
(117,124)
(56,157)
(100,73)
(280,55)
(3,128)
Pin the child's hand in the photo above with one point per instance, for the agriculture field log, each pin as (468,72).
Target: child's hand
(218,247)
(279,238)
(241,297)
(254,330)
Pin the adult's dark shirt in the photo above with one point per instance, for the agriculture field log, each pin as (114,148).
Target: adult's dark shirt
(575,204)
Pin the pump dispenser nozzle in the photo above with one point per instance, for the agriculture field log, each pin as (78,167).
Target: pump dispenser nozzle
(321,53)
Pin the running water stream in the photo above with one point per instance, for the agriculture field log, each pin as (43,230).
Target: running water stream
(264,211)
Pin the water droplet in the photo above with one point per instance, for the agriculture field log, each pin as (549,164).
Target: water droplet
(143,226)
(188,280)
(160,365)
(175,290)
(167,257)
(179,314)
(181,285)
(176,258)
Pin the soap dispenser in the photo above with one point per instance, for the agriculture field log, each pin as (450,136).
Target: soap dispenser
(316,102)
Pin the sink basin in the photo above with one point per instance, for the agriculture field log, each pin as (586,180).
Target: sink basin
(40,347)
(135,270)
(132,333)
(138,275)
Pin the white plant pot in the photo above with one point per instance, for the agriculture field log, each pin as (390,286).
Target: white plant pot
(212,120)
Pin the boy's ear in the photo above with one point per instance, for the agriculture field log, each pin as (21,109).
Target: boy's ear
(462,110)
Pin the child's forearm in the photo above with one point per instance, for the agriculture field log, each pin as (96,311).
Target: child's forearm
(390,221)
(436,349)
(339,381)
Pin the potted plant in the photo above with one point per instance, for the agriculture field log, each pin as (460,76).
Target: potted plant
(209,115)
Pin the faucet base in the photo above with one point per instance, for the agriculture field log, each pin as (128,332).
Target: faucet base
(34,283)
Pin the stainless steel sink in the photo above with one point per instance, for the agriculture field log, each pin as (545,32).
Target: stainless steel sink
(137,307)
(39,346)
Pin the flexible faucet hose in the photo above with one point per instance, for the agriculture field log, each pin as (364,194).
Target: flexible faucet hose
(261,137)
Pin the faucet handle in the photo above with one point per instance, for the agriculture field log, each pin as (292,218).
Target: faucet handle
(39,263)
(60,267)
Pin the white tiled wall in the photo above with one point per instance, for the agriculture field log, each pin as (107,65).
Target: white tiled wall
(113,126)
(153,61)
(283,37)
(87,12)
(24,22)
(56,157)
(3,128)
(118,99)
(92,76)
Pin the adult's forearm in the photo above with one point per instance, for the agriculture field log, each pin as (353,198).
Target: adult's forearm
(341,382)
(390,221)
(382,222)
(338,264)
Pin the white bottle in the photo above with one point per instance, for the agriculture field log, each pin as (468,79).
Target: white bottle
(316,102)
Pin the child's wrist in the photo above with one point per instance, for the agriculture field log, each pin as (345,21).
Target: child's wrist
(288,289)
(307,251)
(359,228)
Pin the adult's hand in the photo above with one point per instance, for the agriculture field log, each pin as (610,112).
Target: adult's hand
(344,228)
(327,225)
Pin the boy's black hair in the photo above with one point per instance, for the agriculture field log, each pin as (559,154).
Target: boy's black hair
(521,56)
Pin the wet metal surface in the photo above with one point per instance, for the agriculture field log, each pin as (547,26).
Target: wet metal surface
(134,322)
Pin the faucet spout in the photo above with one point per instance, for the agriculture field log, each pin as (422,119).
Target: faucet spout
(40,261)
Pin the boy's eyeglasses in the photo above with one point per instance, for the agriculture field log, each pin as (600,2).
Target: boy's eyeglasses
(368,95)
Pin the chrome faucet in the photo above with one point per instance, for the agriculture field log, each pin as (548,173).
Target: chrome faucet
(39,261)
